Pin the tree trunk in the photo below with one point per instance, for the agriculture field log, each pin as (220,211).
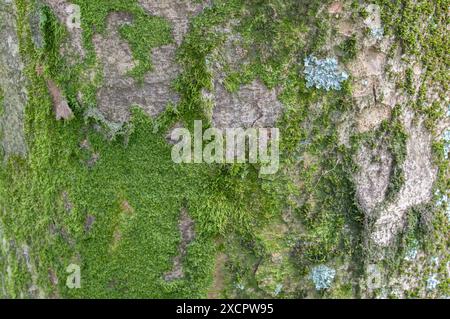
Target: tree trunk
(116,120)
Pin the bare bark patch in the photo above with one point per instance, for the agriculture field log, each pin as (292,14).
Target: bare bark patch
(373,177)
(88,223)
(52,277)
(371,118)
(60,106)
(253,104)
(68,205)
(12,84)
(336,7)
(420,175)
(177,12)
(65,12)
(186,227)
(219,277)
(120,91)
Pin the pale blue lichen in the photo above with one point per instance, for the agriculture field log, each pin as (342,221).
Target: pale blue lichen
(412,252)
(446,143)
(435,261)
(443,201)
(240,286)
(323,73)
(377,33)
(432,282)
(322,276)
(278,289)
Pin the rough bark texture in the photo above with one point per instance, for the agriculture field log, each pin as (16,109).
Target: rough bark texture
(359,207)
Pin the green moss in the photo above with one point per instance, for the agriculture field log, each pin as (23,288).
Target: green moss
(135,167)
(420,27)
(397,147)
(349,48)
(409,85)
(53,33)
(2,98)
(363,13)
